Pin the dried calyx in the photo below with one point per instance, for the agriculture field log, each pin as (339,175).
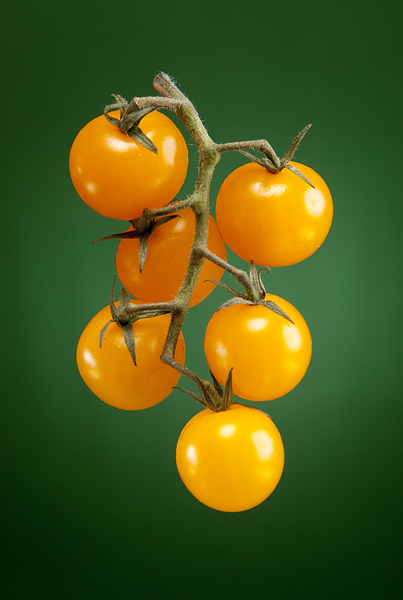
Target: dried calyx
(211,394)
(143,236)
(125,319)
(130,117)
(215,398)
(272,163)
(256,295)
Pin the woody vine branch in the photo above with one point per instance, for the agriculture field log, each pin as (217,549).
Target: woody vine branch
(209,154)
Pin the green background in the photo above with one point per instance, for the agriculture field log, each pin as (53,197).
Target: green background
(91,503)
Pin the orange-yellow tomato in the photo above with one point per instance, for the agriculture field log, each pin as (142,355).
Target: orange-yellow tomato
(273,219)
(118,177)
(230,460)
(268,354)
(167,260)
(109,370)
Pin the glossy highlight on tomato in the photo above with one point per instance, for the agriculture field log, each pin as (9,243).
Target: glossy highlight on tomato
(231,460)
(167,260)
(109,370)
(268,354)
(277,219)
(117,177)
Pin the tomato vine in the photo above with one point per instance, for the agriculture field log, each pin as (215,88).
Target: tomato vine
(136,138)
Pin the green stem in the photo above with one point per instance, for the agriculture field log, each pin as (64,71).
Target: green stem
(260,145)
(209,155)
(132,309)
(186,112)
(152,213)
(198,201)
(239,275)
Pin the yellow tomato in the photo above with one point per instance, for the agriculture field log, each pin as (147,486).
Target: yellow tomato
(109,370)
(167,260)
(230,460)
(117,177)
(273,219)
(268,354)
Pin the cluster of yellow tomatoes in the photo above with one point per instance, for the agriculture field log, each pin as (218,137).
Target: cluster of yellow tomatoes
(230,460)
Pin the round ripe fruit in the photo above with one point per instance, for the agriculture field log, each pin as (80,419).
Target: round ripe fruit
(273,219)
(230,460)
(117,177)
(167,260)
(109,370)
(268,354)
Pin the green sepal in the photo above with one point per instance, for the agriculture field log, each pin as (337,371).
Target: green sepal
(227,396)
(285,159)
(124,298)
(103,331)
(266,303)
(298,172)
(229,289)
(207,401)
(128,335)
(191,394)
(125,320)
(133,116)
(135,233)
(113,120)
(274,308)
(261,285)
(114,314)
(125,235)
(144,238)
(114,310)
(143,247)
(204,399)
(265,162)
(140,137)
(126,326)
(130,118)
(233,302)
(216,384)
(273,164)
(119,104)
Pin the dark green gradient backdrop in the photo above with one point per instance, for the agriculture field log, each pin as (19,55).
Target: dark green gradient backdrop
(92,506)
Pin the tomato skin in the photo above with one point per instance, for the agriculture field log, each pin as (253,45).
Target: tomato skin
(109,371)
(167,260)
(117,177)
(230,460)
(275,220)
(268,354)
